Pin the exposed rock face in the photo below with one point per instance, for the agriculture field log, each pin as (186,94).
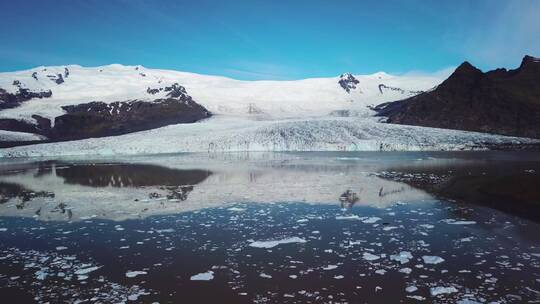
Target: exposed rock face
(383,88)
(348,82)
(498,101)
(13,100)
(98,119)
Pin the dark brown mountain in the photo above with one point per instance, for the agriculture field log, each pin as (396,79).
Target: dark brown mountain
(99,119)
(500,101)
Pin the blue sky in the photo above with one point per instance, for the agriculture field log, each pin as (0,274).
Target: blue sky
(258,39)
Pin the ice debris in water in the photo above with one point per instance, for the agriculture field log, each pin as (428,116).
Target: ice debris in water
(132,274)
(370,257)
(204,276)
(403,257)
(86,270)
(274,243)
(454,222)
(432,259)
(411,289)
(330,267)
(435,291)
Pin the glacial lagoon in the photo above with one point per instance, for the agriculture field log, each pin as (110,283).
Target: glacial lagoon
(327,227)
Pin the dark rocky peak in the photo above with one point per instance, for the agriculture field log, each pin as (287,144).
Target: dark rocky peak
(176,91)
(58,78)
(466,69)
(528,60)
(499,101)
(348,82)
(34,75)
(66,72)
(465,75)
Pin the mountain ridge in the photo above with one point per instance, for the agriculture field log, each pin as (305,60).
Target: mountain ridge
(499,101)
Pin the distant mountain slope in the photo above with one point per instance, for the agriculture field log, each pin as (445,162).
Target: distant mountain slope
(74,102)
(498,101)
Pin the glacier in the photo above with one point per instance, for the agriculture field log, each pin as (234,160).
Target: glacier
(315,114)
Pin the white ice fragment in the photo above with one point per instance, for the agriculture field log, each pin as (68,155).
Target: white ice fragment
(348,217)
(87,270)
(454,222)
(265,276)
(370,257)
(132,274)
(411,289)
(405,270)
(371,220)
(236,209)
(403,257)
(432,259)
(435,291)
(330,267)
(274,243)
(204,276)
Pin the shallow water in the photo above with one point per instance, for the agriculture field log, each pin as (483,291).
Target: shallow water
(272,228)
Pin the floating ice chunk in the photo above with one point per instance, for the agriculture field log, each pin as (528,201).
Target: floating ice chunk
(339,277)
(265,276)
(432,259)
(348,217)
(292,276)
(59,248)
(454,222)
(403,257)
(330,267)
(204,276)
(41,275)
(467,301)
(3,229)
(271,244)
(427,226)
(380,271)
(168,230)
(370,257)
(371,220)
(411,289)
(87,270)
(388,228)
(405,270)
(419,298)
(132,274)
(236,209)
(435,291)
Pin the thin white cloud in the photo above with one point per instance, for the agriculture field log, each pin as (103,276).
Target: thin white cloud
(511,32)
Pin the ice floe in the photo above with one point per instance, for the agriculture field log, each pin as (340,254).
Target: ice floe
(203,276)
(274,243)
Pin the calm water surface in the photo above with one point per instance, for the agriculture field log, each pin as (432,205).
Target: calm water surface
(272,228)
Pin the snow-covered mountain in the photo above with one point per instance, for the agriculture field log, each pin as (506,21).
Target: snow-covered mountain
(73,84)
(310,114)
